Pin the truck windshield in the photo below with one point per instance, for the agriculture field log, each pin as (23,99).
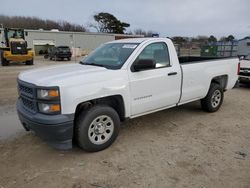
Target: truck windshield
(15,34)
(63,49)
(110,56)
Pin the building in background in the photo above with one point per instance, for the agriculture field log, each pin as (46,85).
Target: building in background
(188,49)
(41,40)
(244,46)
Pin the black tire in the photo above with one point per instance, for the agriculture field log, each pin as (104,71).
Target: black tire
(85,124)
(4,62)
(69,58)
(31,62)
(214,99)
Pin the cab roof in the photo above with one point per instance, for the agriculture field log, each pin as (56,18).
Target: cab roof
(137,40)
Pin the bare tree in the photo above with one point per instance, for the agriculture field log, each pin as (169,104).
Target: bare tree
(143,32)
(37,23)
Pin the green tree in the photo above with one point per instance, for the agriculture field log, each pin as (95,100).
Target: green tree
(212,39)
(230,38)
(108,23)
(179,40)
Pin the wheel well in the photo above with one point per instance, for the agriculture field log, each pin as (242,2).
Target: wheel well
(114,101)
(221,80)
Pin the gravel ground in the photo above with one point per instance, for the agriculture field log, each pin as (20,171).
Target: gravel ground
(179,147)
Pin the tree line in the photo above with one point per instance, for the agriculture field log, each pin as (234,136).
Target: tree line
(202,40)
(38,23)
(102,22)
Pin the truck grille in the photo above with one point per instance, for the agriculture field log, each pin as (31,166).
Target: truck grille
(28,104)
(26,90)
(27,96)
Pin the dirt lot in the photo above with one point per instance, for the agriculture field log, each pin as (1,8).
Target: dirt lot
(179,147)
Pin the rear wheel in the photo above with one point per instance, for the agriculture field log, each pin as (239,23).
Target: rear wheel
(97,128)
(214,98)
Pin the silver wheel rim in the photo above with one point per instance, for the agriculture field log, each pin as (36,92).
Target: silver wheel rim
(101,129)
(216,98)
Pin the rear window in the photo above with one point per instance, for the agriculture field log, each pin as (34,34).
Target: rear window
(63,48)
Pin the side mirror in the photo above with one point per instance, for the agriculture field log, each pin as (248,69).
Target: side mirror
(144,64)
(26,33)
(242,57)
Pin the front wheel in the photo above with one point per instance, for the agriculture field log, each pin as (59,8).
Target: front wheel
(97,128)
(4,61)
(214,98)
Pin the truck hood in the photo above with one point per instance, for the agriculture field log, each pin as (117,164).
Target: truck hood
(63,74)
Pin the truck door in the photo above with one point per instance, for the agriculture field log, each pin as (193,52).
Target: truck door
(156,87)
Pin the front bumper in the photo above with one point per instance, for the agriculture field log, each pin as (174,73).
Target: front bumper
(56,130)
(18,57)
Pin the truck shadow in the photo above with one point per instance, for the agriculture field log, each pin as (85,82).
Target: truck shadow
(165,121)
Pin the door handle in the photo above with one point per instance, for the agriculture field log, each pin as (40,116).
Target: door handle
(172,73)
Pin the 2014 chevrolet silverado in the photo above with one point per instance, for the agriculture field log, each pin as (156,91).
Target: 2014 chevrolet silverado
(122,79)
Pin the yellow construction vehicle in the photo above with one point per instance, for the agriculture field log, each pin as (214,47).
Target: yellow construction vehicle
(14,47)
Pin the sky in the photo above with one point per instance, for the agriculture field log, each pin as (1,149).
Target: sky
(169,18)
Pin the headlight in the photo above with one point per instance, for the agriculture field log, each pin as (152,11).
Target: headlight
(49,108)
(48,94)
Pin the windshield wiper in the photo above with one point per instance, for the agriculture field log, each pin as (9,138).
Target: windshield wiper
(94,64)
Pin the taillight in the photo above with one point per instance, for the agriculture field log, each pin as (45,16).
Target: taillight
(238,71)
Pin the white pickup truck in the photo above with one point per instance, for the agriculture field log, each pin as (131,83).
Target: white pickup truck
(122,79)
(244,74)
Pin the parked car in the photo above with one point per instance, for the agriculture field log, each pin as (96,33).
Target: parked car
(59,53)
(244,75)
(120,80)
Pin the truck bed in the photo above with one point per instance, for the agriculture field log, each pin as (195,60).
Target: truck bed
(197,76)
(197,59)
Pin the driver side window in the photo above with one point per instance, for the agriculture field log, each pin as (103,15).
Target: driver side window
(157,52)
